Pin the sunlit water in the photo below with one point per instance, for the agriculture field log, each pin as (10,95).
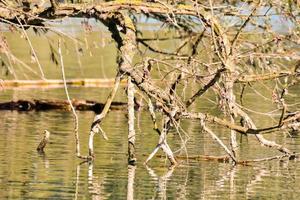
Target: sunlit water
(58,174)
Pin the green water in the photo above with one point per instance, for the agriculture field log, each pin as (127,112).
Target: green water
(58,174)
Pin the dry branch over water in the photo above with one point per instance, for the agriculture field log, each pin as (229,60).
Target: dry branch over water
(215,55)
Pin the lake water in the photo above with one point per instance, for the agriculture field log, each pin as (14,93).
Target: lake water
(58,174)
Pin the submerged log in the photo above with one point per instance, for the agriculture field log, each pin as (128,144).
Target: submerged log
(57,83)
(44,104)
(20,105)
(221,159)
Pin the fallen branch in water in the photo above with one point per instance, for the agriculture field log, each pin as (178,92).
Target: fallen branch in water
(226,159)
(206,157)
(198,157)
(279,157)
(57,104)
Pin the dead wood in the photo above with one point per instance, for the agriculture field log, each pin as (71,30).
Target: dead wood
(229,54)
(131,119)
(57,104)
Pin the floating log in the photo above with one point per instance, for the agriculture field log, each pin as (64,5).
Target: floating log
(44,104)
(57,83)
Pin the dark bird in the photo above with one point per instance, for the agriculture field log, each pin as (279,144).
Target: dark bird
(43,142)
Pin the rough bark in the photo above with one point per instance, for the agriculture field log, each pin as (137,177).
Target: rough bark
(95,127)
(131,130)
(162,144)
(115,15)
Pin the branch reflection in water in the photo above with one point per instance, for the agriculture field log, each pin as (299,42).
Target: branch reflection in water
(257,179)
(164,182)
(130,183)
(161,187)
(95,184)
(264,172)
(229,183)
(77,181)
(220,184)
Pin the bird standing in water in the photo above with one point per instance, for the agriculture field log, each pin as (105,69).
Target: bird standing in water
(43,142)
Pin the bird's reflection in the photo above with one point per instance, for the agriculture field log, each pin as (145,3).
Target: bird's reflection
(45,159)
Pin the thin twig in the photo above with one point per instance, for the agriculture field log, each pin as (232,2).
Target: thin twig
(32,50)
(70,102)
